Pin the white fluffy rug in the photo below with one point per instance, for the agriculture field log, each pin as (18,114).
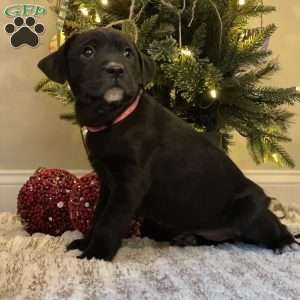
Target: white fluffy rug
(36,267)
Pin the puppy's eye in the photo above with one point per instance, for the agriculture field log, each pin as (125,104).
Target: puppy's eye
(127,52)
(88,52)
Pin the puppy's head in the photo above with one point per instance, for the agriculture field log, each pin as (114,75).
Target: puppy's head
(105,71)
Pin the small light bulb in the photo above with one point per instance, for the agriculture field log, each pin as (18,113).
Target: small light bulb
(213,94)
(275,156)
(84,11)
(297,88)
(62,38)
(242,2)
(104,2)
(186,52)
(97,19)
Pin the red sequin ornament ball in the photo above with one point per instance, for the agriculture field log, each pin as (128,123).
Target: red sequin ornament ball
(83,199)
(43,201)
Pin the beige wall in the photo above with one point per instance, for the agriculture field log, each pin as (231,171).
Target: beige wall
(286,46)
(31,133)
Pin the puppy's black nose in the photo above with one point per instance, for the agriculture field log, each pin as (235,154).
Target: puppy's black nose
(115,69)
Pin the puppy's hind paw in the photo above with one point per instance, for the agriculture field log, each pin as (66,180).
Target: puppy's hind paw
(80,244)
(288,248)
(295,246)
(183,240)
(297,238)
(278,251)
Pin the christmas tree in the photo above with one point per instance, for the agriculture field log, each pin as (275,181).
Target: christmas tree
(210,65)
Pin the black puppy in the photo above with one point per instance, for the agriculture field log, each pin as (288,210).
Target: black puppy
(152,163)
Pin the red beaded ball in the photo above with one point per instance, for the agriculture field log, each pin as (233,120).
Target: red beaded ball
(83,199)
(43,201)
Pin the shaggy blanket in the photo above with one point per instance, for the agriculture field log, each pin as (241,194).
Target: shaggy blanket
(37,267)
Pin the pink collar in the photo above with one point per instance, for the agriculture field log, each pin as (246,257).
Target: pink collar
(129,110)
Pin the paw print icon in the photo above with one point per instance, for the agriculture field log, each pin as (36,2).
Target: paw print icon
(24,31)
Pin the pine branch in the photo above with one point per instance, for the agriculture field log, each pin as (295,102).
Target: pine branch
(253,77)
(256,37)
(227,140)
(268,150)
(256,150)
(42,84)
(69,117)
(146,30)
(199,37)
(162,51)
(279,155)
(278,96)
(59,91)
(253,9)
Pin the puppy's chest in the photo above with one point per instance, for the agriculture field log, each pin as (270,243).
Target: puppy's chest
(130,143)
(113,151)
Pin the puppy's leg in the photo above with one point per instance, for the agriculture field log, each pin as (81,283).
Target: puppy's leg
(112,219)
(192,239)
(161,233)
(157,231)
(238,216)
(246,207)
(82,244)
(255,223)
(79,244)
(267,230)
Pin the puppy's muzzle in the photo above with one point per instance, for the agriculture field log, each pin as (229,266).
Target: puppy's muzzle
(116,70)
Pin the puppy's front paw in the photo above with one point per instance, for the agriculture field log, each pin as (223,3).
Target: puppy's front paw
(79,244)
(101,246)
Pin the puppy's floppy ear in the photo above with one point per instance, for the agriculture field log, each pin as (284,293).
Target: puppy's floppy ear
(147,68)
(55,64)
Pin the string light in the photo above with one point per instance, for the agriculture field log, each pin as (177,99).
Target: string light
(213,94)
(275,157)
(297,89)
(104,2)
(84,11)
(186,52)
(97,19)
(242,36)
(242,2)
